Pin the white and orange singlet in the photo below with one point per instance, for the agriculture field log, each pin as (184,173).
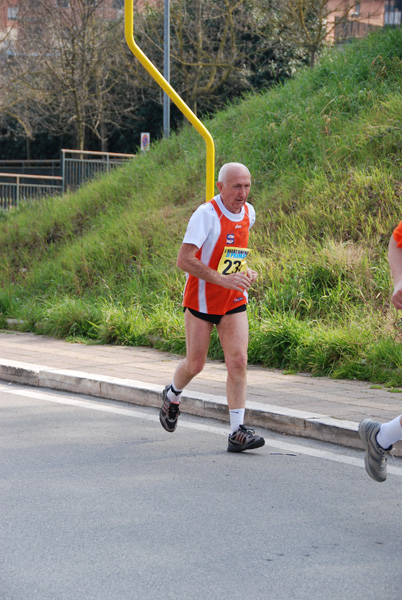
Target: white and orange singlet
(221,238)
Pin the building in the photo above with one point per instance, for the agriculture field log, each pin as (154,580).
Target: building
(8,21)
(348,19)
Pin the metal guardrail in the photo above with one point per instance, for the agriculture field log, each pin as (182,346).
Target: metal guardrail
(15,187)
(31,166)
(78,166)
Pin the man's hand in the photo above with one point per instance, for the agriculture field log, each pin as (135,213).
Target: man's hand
(252,274)
(239,281)
(188,262)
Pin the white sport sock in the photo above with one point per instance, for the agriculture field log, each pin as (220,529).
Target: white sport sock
(174,396)
(236,418)
(390,433)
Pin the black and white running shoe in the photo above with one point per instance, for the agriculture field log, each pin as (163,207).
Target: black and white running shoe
(169,412)
(244,439)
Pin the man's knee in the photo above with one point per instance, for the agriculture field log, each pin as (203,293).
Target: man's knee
(237,362)
(195,365)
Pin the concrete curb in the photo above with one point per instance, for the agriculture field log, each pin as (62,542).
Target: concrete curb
(288,421)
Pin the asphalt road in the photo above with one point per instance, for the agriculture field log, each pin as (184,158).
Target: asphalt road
(98,502)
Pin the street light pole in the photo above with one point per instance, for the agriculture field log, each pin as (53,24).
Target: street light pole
(166,70)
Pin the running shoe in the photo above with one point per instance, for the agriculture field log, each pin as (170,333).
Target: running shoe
(376,457)
(169,412)
(244,439)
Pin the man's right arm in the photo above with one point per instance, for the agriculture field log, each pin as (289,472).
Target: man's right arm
(395,263)
(188,262)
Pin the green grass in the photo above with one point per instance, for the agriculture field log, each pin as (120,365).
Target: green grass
(324,152)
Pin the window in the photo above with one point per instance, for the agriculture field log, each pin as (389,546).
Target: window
(12,13)
(356,11)
(392,14)
(63,3)
(118,4)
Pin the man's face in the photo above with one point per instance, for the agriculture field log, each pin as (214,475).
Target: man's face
(234,192)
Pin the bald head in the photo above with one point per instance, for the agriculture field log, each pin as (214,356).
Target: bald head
(232,169)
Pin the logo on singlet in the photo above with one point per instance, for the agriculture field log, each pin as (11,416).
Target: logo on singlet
(230,238)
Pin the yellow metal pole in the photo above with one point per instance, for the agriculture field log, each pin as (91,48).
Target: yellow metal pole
(167,88)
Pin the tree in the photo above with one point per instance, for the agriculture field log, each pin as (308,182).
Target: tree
(81,68)
(307,24)
(13,73)
(218,47)
(71,72)
(71,62)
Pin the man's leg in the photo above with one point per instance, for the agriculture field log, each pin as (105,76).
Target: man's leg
(198,335)
(390,432)
(233,335)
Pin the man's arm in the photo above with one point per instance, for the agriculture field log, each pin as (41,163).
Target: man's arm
(395,263)
(187,261)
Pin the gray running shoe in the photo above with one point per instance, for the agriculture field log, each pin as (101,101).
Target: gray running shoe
(244,439)
(169,412)
(376,457)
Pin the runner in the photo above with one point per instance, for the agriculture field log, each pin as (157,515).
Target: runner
(378,439)
(213,255)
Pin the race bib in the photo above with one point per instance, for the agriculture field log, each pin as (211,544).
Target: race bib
(233,260)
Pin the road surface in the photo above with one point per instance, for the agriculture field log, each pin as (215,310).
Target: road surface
(99,502)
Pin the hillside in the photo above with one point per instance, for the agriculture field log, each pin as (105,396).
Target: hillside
(325,154)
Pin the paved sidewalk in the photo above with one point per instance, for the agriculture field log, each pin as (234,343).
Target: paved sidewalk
(313,407)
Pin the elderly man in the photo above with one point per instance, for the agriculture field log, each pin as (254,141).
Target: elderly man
(213,255)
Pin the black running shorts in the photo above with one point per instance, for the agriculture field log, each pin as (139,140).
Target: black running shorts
(215,319)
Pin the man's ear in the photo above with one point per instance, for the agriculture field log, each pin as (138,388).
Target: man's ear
(219,185)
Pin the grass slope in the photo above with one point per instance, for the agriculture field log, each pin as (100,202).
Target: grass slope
(325,154)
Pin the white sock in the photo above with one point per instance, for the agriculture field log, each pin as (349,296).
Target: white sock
(236,418)
(390,433)
(173,394)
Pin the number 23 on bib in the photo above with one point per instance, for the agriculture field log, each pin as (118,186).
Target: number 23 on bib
(233,260)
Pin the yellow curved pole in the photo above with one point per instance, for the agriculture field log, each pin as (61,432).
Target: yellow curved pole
(188,113)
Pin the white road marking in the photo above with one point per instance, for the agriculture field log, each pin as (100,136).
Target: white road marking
(136,414)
